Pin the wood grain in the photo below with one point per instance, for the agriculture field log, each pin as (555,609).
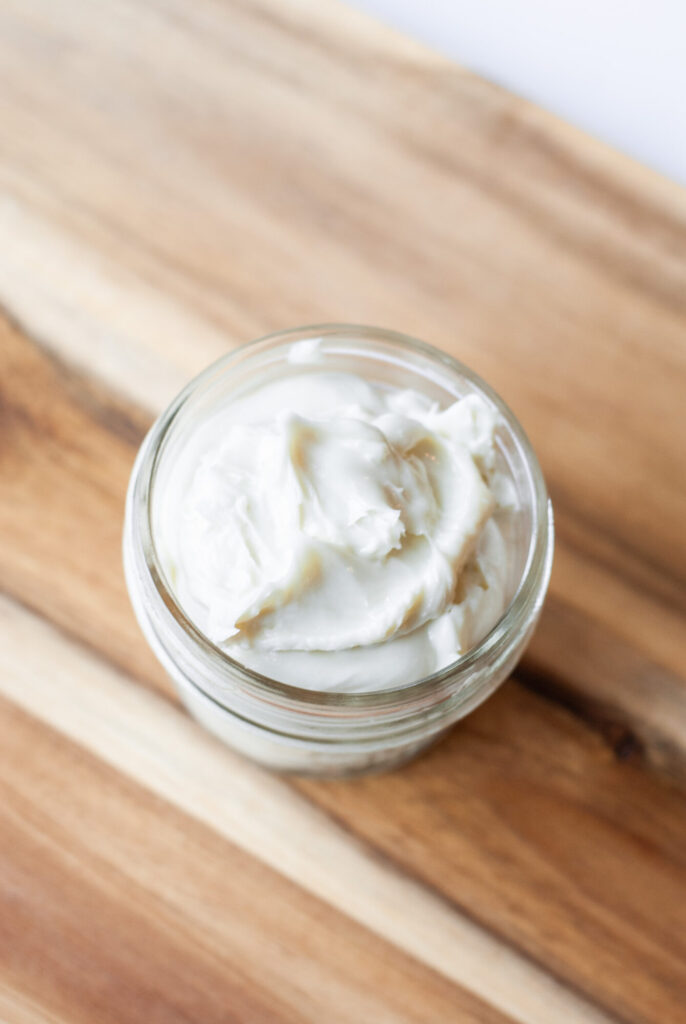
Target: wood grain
(147,915)
(185,178)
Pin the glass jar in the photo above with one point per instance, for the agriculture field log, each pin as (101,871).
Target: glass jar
(309,731)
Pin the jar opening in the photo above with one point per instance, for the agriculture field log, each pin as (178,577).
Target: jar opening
(345,346)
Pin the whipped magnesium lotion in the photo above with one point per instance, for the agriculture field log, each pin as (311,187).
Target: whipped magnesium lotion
(337,533)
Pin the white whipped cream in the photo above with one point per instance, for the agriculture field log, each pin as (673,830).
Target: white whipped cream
(338,534)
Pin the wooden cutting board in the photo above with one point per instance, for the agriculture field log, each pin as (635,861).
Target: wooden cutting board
(179,177)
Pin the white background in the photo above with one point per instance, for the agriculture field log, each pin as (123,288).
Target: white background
(616,68)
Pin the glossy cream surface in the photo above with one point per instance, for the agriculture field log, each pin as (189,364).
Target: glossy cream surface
(337,533)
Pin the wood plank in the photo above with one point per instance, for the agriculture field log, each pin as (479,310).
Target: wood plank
(521,819)
(140,843)
(176,188)
(115,906)
(527,822)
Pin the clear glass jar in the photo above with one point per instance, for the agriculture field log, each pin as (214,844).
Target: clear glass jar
(302,730)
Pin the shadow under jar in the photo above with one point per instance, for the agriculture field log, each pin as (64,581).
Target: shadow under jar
(305,730)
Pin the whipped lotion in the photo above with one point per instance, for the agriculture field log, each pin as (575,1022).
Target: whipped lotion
(339,534)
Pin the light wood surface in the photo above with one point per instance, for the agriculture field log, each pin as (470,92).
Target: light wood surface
(174,179)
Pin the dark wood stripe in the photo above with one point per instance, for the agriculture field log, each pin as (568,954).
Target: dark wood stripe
(638,706)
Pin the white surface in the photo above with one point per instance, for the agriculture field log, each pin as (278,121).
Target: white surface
(616,68)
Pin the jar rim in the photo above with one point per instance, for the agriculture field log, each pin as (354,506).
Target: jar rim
(525,601)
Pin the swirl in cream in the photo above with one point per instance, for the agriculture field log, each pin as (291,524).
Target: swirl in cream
(339,534)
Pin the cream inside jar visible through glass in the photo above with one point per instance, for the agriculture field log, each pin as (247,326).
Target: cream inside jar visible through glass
(339,533)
